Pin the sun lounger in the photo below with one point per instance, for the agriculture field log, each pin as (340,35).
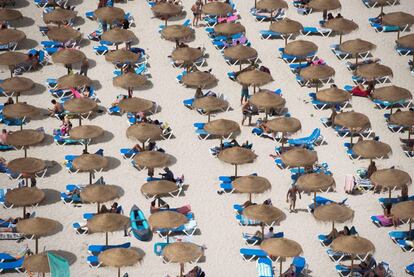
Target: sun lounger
(381,221)
(264,267)
(312,31)
(410,269)
(251,239)
(405,245)
(159,247)
(128,153)
(301,265)
(324,240)
(319,200)
(16,265)
(404,51)
(4,257)
(315,138)
(291,59)
(96,249)
(249,254)
(93,261)
(398,235)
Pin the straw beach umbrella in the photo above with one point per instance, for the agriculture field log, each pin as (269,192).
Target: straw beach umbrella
(373,71)
(266,214)
(181,253)
(118,36)
(353,246)
(199,79)
(99,194)
(27,166)
(144,132)
(300,48)
(209,104)
(109,14)
(216,9)
(38,227)
(324,5)
(38,263)
(229,28)
(73,81)
(400,19)
(152,159)
(90,163)
(267,101)
(130,81)
(24,197)
(284,125)
(333,212)
(222,128)
(177,33)
(316,73)
(12,59)
(59,16)
(11,35)
(371,149)
(121,56)
(237,156)
(20,111)
(356,47)
(271,6)
(392,94)
(240,53)
(10,15)
(251,184)
(186,56)
(86,133)
(299,157)
(282,248)
(342,26)
(106,223)
(404,211)
(135,105)
(17,85)
(390,179)
(159,188)
(287,27)
(166,10)
(63,34)
(25,138)
(68,56)
(166,220)
(315,182)
(255,78)
(355,122)
(404,118)
(80,106)
(120,257)
(333,95)
(407,42)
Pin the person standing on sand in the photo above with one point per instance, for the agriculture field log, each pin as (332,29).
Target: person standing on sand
(244,94)
(84,67)
(291,197)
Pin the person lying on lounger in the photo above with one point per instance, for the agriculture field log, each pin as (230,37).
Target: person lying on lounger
(290,272)
(364,266)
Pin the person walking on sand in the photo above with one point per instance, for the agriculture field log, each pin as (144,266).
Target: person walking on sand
(291,197)
(244,94)
(84,67)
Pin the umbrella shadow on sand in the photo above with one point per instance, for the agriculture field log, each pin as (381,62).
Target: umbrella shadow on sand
(21,4)
(51,197)
(79,21)
(23,22)
(105,137)
(53,167)
(179,17)
(112,162)
(68,256)
(27,44)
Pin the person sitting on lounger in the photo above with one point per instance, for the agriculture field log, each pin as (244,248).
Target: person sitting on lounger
(248,204)
(103,210)
(331,119)
(344,232)
(333,234)
(371,169)
(195,272)
(9,101)
(167,175)
(115,208)
(377,271)
(363,266)
(267,235)
(66,126)
(74,193)
(56,109)
(198,94)
(161,205)
(3,137)
(404,193)
(290,272)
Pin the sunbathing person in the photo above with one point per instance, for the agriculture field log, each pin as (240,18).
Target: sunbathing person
(115,208)
(167,175)
(372,168)
(267,235)
(57,108)
(9,101)
(103,210)
(195,272)
(74,193)
(290,272)
(333,234)
(66,126)
(377,271)
(161,205)
(3,137)
(364,266)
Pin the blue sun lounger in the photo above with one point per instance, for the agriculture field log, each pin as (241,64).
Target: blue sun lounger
(405,245)
(96,249)
(252,240)
(16,265)
(410,269)
(159,247)
(249,254)
(4,257)
(398,235)
(265,267)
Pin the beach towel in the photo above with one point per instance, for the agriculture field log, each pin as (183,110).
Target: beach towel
(59,267)
(75,93)
(349,183)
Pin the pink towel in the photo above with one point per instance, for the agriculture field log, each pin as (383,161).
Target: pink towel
(349,183)
(385,221)
(75,93)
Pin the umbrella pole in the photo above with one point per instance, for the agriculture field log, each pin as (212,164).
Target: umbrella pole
(86,147)
(25,152)
(409,228)
(333,225)
(280,272)
(21,127)
(106,238)
(317,85)
(235,170)
(389,194)
(80,120)
(90,178)
(208,117)
(17,97)
(98,207)
(24,211)
(181,269)
(286,41)
(250,197)
(255,3)
(314,198)
(398,33)
(36,245)
(340,38)
(262,225)
(352,265)
(356,58)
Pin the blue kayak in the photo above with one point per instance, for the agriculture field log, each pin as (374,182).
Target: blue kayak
(139,224)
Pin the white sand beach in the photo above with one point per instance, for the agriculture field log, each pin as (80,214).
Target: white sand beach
(220,233)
